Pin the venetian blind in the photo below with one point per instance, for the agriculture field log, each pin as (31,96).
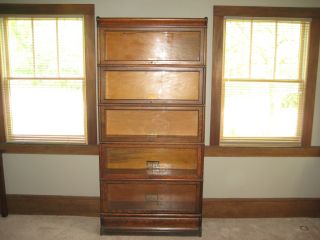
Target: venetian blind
(43,79)
(263,85)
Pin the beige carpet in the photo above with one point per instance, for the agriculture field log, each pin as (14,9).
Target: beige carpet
(20,227)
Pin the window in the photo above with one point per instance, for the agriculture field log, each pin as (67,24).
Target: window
(263,80)
(45,81)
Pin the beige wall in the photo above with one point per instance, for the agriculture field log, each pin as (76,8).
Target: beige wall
(224,177)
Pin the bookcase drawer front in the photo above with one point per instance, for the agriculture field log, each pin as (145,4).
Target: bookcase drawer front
(151,124)
(151,85)
(150,161)
(150,197)
(153,46)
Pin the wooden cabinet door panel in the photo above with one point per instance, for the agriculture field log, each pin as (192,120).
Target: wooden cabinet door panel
(151,124)
(150,197)
(151,46)
(134,161)
(151,85)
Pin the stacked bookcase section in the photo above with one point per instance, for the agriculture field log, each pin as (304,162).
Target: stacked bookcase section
(151,118)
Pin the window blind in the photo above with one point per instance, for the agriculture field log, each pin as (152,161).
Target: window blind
(43,79)
(263,85)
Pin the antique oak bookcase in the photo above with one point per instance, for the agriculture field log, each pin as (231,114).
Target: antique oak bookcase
(151,124)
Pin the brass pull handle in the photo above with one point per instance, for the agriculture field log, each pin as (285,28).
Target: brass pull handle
(152,164)
(151,197)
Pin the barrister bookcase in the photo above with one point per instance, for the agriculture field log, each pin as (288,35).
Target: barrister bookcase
(151,125)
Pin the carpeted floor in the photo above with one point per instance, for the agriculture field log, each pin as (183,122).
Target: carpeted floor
(23,227)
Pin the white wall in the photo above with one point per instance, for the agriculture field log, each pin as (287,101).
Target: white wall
(224,177)
(52,174)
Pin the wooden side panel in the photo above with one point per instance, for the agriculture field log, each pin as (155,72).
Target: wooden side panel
(150,197)
(157,85)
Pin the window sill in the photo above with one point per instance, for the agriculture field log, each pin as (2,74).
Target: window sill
(49,149)
(210,151)
(215,151)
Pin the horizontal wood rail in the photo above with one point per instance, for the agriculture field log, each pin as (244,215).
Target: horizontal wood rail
(50,149)
(290,12)
(212,207)
(212,151)
(261,207)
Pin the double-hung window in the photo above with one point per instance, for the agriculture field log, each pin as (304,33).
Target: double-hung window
(44,77)
(263,80)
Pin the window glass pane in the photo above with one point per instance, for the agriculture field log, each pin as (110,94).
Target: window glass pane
(261,109)
(288,50)
(237,49)
(263,49)
(45,48)
(71,47)
(20,51)
(47,107)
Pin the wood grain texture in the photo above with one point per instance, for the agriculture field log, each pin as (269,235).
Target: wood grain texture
(152,85)
(154,122)
(139,46)
(137,157)
(312,68)
(53,205)
(151,226)
(150,183)
(215,151)
(290,12)
(134,46)
(261,208)
(158,85)
(90,65)
(50,149)
(212,207)
(172,124)
(151,161)
(151,22)
(131,41)
(3,195)
(216,80)
(150,197)
(210,151)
